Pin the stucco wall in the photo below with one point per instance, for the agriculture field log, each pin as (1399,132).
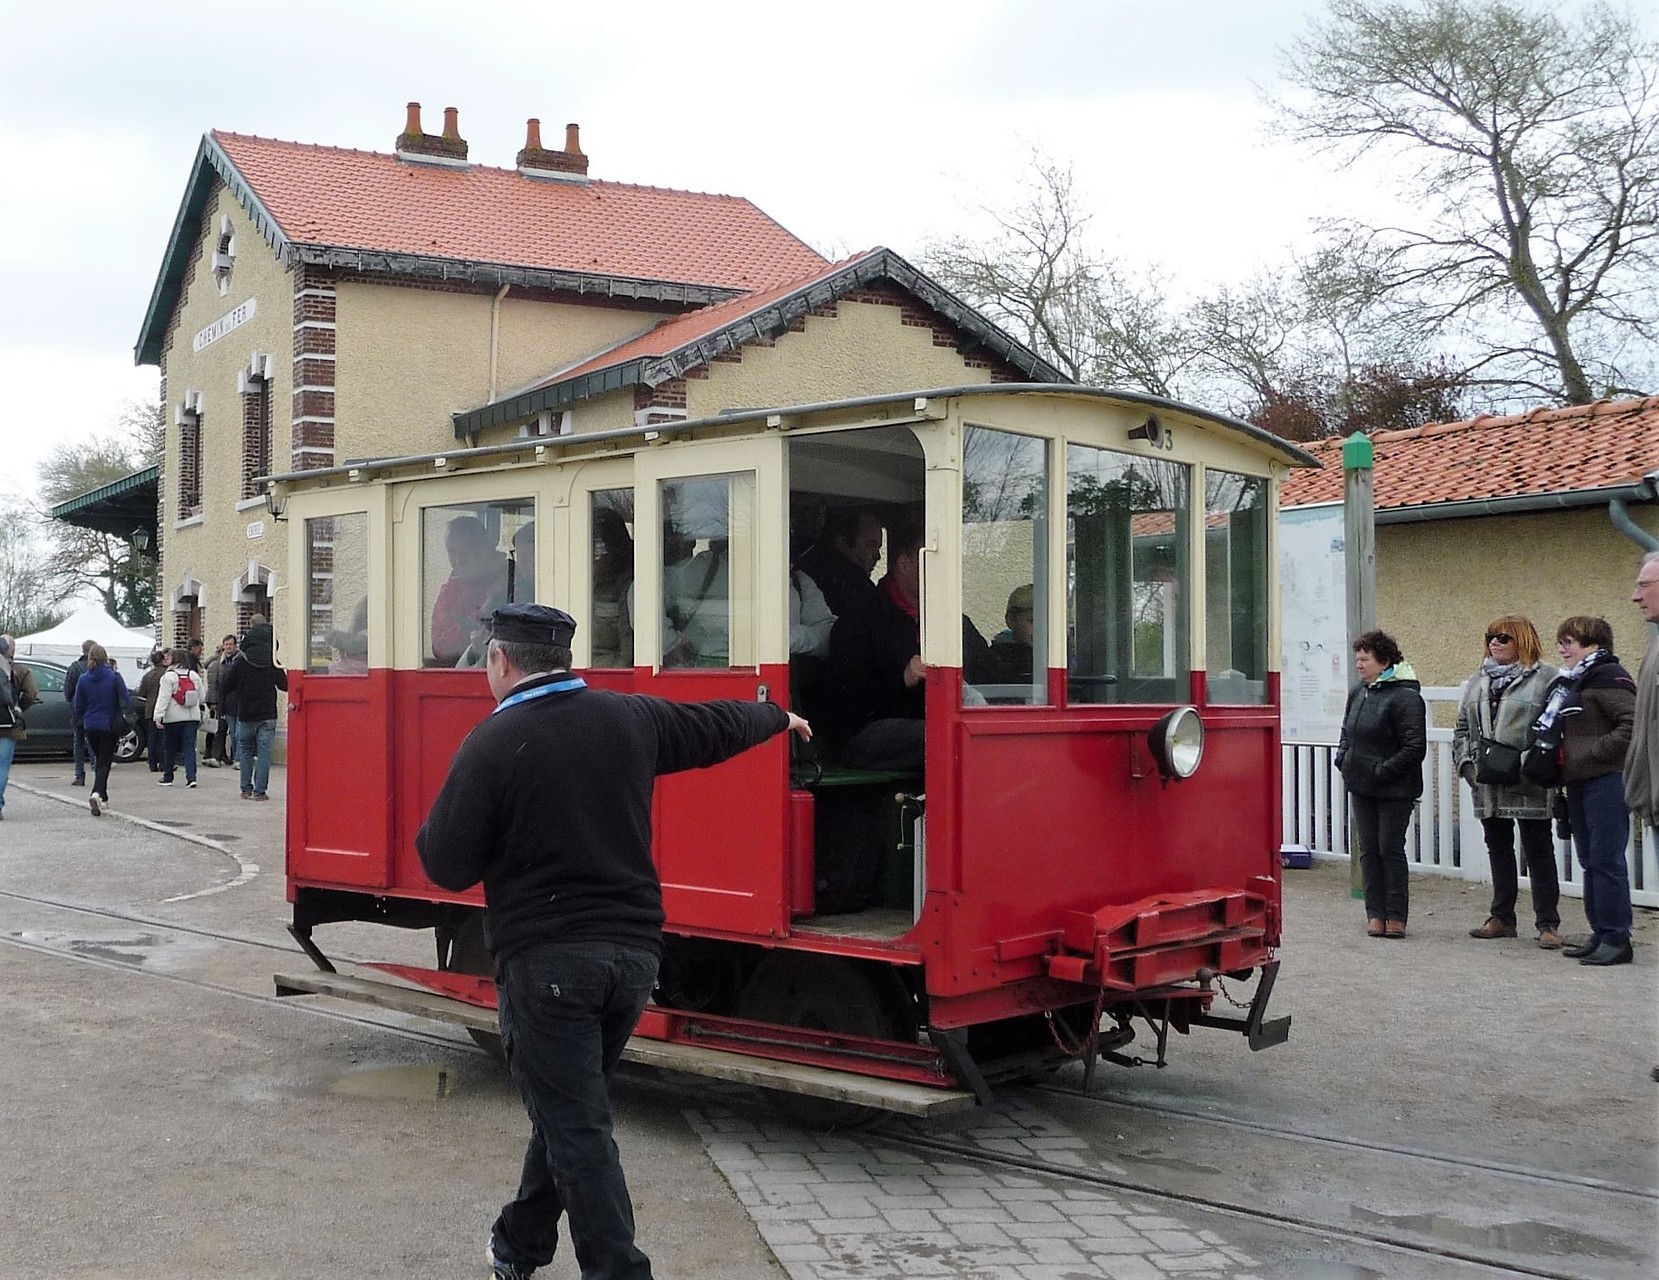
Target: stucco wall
(216,548)
(409,358)
(862,350)
(1439,583)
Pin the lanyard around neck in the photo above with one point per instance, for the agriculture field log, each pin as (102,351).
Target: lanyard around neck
(541,691)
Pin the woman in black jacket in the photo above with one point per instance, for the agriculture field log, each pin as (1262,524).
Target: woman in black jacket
(1380,755)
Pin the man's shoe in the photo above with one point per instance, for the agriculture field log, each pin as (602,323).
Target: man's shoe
(1581,949)
(210,764)
(165,782)
(1610,953)
(1551,940)
(247,795)
(1493,928)
(500,1270)
(1396,929)
(190,782)
(92,803)
(261,797)
(1374,928)
(78,782)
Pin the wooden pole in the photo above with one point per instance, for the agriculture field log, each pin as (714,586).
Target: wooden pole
(1359,574)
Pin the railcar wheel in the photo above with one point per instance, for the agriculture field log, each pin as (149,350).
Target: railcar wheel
(469,954)
(825,993)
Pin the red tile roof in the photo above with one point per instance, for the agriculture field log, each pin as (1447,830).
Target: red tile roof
(1609,444)
(366,200)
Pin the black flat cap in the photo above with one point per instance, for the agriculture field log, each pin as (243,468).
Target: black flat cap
(533,624)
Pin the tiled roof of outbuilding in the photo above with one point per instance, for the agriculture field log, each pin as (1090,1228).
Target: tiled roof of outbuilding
(1610,444)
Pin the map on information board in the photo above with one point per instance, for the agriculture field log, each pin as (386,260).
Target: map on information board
(1314,667)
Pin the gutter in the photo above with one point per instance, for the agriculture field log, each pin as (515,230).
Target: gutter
(1644,491)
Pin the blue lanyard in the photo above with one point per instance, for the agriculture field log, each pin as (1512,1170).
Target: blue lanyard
(529,695)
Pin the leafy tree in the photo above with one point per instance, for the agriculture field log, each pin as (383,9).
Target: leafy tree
(29,602)
(1527,141)
(87,559)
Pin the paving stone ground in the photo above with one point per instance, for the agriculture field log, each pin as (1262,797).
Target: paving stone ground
(833,1206)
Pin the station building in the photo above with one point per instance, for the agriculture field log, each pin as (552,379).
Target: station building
(318,305)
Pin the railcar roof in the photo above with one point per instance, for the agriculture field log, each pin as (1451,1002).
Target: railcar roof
(1286,452)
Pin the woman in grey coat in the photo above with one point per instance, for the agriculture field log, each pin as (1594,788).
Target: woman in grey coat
(1500,702)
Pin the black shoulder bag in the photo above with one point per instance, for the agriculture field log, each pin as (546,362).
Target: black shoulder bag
(1497,764)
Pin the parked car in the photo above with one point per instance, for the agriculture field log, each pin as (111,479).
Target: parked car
(50,730)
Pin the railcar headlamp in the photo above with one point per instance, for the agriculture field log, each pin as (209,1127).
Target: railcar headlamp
(1177,743)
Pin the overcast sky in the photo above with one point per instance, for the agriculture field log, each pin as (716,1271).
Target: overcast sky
(856,124)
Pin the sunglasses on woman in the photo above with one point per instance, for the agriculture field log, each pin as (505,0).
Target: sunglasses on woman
(1502,637)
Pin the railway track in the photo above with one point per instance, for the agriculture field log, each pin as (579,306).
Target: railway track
(1545,1177)
(1394,1242)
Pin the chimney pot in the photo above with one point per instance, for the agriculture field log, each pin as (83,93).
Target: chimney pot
(452,127)
(532,134)
(573,142)
(412,123)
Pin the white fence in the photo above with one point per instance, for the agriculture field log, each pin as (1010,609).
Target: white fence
(1445,836)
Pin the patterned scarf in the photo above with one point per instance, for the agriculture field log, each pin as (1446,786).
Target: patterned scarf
(1501,674)
(1564,689)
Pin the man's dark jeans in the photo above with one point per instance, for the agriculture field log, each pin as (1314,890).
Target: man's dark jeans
(80,750)
(567,1010)
(1538,844)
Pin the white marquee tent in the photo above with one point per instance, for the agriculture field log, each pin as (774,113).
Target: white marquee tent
(130,649)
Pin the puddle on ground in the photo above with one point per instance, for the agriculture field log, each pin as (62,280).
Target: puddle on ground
(134,950)
(166,822)
(1163,1161)
(426,1082)
(1511,1237)
(220,835)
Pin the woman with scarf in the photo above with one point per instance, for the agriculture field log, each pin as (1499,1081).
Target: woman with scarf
(17,694)
(1591,711)
(101,698)
(1500,702)
(1380,755)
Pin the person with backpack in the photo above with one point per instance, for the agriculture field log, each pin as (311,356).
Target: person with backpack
(178,713)
(17,694)
(100,696)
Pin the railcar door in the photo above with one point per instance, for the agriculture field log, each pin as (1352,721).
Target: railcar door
(708,622)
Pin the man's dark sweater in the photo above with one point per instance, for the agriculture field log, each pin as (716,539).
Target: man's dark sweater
(251,681)
(870,647)
(548,802)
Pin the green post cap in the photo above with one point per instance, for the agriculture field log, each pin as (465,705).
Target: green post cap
(1357,453)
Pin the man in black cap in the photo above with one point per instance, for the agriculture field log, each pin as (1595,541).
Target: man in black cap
(548,802)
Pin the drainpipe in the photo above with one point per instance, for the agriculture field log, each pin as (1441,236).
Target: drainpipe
(495,333)
(1619,513)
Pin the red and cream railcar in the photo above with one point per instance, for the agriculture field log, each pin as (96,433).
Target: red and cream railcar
(1092,844)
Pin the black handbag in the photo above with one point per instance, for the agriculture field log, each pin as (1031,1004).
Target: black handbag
(1497,764)
(1541,763)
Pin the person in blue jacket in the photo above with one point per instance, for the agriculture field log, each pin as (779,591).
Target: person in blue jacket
(101,705)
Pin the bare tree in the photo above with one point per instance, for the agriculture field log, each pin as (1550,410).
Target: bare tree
(29,601)
(89,559)
(1529,145)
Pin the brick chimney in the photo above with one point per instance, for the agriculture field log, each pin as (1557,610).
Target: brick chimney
(536,161)
(447,148)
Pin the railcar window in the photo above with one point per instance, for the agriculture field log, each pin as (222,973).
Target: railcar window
(1126,577)
(475,557)
(337,599)
(611,627)
(708,571)
(1004,567)
(1235,580)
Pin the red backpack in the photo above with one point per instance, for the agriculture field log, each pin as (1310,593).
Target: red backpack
(187,694)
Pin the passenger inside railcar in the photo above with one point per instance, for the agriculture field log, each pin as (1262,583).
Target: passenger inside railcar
(612,636)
